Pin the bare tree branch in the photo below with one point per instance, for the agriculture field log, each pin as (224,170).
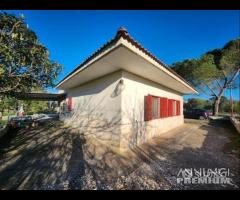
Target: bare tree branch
(211,90)
(205,92)
(234,76)
(219,85)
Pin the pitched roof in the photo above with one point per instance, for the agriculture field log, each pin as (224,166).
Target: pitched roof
(122,33)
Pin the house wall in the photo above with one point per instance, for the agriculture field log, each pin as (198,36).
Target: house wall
(134,129)
(113,112)
(96,109)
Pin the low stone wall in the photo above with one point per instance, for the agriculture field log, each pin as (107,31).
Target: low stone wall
(3,131)
(235,123)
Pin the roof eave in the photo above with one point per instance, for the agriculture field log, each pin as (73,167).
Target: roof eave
(121,38)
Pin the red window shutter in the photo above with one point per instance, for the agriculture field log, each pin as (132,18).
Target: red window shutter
(161,111)
(178,107)
(163,107)
(69,104)
(148,108)
(166,107)
(170,107)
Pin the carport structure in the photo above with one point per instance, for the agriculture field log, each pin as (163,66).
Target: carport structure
(39,96)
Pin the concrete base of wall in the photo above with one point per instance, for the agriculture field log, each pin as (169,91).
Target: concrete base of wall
(136,134)
(122,137)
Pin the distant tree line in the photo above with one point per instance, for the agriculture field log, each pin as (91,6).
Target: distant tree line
(224,106)
(214,72)
(9,105)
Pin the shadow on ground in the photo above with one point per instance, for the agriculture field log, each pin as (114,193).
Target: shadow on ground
(54,156)
(200,144)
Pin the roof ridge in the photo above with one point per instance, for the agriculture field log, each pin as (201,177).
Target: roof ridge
(143,49)
(148,53)
(123,33)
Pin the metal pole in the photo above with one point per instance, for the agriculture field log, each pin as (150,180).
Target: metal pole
(230,99)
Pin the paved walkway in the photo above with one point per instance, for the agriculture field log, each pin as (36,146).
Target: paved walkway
(56,157)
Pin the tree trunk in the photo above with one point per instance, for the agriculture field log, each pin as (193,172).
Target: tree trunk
(216,106)
(213,107)
(218,98)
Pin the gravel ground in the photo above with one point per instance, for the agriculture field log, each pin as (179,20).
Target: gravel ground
(55,157)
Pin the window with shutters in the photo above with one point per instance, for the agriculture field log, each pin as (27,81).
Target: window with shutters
(174,108)
(160,107)
(170,107)
(155,108)
(148,108)
(163,107)
(178,107)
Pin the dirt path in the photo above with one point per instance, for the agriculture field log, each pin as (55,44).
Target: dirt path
(56,157)
(197,144)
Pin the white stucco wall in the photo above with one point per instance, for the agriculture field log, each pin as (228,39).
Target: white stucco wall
(114,113)
(97,109)
(134,129)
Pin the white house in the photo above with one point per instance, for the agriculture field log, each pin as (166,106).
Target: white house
(122,95)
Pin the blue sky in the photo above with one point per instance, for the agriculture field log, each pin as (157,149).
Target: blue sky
(71,36)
